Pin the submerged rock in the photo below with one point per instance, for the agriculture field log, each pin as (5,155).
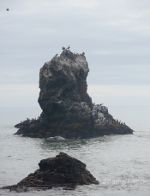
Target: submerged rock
(62,170)
(67,109)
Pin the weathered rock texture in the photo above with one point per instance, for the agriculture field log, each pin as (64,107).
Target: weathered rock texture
(68,110)
(62,170)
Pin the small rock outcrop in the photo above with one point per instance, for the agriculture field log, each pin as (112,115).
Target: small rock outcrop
(60,171)
(67,109)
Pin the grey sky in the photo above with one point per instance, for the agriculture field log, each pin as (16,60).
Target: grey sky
(115,34)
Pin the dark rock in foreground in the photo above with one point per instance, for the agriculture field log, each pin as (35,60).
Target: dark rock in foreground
(62,170)
(67,109)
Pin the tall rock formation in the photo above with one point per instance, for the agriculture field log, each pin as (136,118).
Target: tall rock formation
(67,109)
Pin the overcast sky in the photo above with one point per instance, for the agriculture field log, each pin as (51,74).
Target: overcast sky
(114,34)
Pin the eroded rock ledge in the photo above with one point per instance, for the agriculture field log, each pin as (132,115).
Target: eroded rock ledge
(67,109)
(60,171)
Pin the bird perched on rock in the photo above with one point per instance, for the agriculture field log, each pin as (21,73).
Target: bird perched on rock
(63,48)
(68,48)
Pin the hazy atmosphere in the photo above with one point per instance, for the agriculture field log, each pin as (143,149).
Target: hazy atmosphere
(115,36)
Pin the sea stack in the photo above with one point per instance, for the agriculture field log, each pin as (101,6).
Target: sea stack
(67,109)
(60,171)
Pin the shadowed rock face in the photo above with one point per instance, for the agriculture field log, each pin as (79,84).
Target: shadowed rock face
(67,109)
(62,170)
(63,94)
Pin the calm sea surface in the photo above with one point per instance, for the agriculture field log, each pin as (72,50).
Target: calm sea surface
(115,37)
(120,163)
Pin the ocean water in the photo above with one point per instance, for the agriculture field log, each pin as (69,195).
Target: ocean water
(121,163)
(115,37)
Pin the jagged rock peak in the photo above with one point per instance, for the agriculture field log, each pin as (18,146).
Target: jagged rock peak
(70,59)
